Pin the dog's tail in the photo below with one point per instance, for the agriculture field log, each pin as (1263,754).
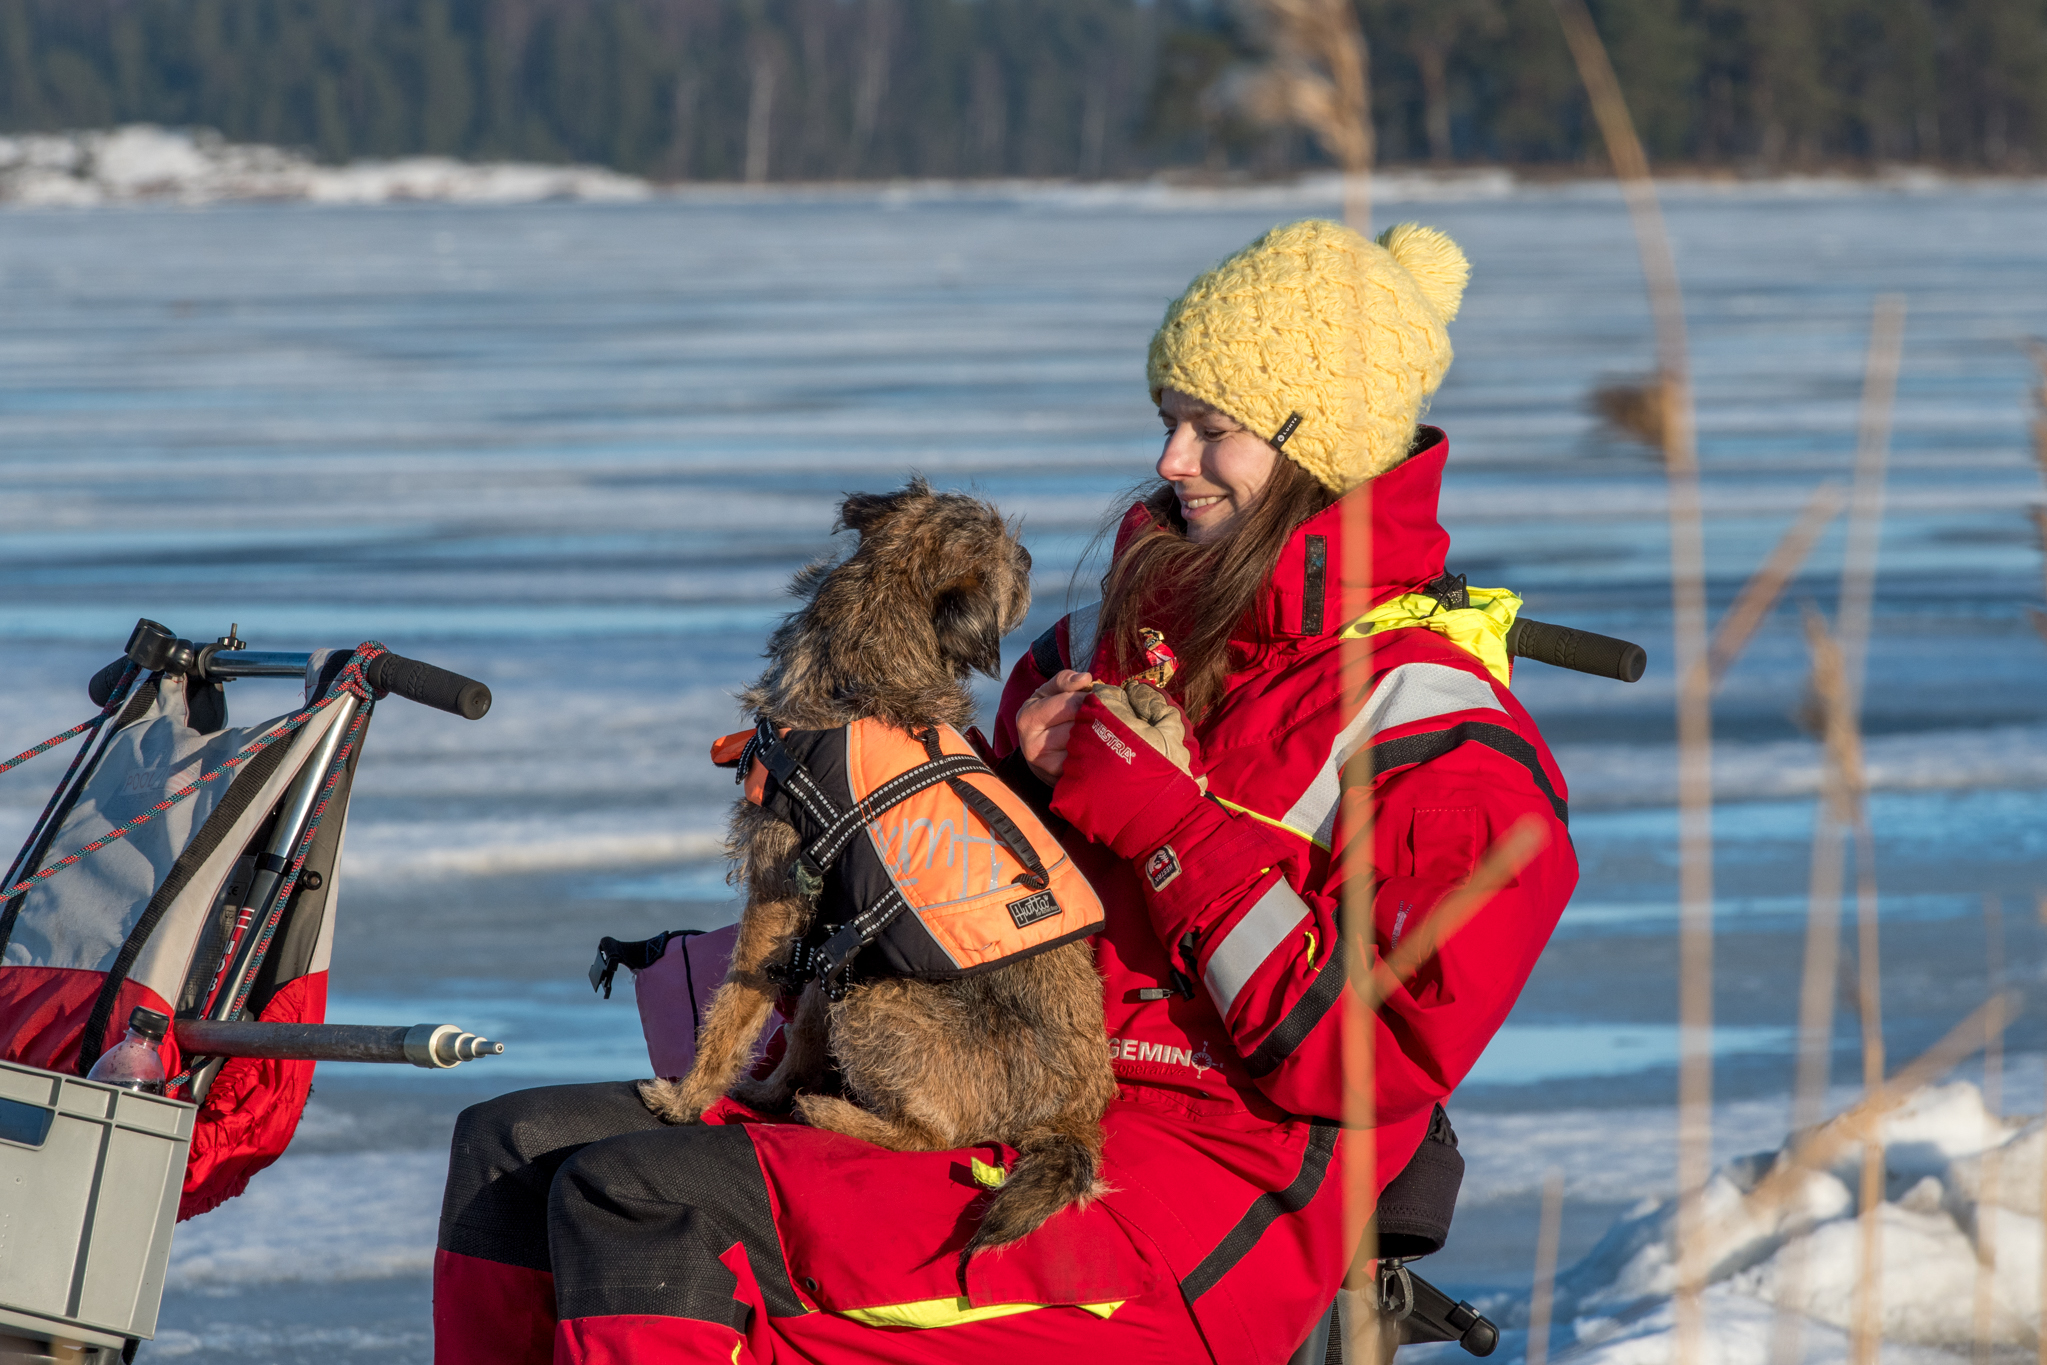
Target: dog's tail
(1055,1167)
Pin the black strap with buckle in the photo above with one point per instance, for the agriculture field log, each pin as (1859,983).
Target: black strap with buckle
(826,953)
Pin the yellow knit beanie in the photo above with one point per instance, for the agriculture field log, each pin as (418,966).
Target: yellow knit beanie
(1325,344)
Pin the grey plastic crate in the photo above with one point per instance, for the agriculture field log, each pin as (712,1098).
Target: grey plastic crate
(89,1182)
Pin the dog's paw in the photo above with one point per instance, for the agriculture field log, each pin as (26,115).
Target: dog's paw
(669,1101)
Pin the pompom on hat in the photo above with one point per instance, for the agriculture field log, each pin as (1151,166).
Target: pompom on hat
(1320,341)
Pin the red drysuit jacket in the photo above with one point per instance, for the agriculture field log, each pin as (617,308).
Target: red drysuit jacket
(1239,889)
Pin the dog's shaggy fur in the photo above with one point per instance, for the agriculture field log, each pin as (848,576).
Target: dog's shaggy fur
(1015,1054)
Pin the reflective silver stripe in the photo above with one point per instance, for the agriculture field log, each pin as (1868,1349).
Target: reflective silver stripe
(1265,926)
(1409,693)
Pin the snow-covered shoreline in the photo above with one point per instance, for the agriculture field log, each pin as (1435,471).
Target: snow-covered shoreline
(146,164)
(141,163)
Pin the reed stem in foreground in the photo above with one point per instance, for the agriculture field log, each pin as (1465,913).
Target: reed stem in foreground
(1360,1328)
(1543,1294)
(1694,683)
(1981,1310)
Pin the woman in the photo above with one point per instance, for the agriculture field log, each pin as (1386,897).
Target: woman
(1291,379)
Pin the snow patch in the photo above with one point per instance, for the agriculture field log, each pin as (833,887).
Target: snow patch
(341,1216)
(1959,1248)
(197,166)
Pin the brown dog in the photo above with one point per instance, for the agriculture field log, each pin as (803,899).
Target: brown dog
(1012,1054)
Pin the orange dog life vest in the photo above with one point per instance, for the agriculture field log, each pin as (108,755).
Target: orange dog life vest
(919,861)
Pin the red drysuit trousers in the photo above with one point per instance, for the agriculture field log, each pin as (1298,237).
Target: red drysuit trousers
(576,1228)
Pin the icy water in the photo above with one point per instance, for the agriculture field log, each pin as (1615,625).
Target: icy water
(576,451)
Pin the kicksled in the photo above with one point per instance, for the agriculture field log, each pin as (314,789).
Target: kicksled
(165,936)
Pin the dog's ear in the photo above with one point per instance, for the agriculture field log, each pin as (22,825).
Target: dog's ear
(862,510)
(968,623)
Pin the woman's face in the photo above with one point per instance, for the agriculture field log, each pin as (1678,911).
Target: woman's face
(1215,466)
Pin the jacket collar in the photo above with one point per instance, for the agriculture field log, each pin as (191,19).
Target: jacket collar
(1309,594)
(1314,590)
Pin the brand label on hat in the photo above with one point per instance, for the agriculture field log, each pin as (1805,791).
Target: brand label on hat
(1031,909)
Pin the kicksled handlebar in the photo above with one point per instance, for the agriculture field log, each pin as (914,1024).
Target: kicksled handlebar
(154,648)
(435,1046)
(1566,647)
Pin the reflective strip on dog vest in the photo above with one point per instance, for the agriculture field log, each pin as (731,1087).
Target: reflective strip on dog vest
(1270,922)
(1407,694)
(928,866)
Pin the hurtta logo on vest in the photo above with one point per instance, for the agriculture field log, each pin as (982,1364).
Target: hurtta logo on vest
(1031,909)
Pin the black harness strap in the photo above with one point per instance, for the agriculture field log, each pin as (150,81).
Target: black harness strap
(831,960)
(1409,750)
(1034,875)
(1264,1211)
(766,745)
(826,848)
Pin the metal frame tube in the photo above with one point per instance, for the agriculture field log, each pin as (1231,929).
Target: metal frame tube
(271,865)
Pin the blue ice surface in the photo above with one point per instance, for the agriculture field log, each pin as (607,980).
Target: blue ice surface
(552,1030)
(1525,1054)
(578,450)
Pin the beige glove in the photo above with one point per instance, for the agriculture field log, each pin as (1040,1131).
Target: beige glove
(1153,719)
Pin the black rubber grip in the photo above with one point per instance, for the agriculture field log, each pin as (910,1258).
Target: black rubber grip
(102,685)
(1600,655)
(430,686)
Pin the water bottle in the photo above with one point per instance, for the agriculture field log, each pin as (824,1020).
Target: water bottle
(134,1063)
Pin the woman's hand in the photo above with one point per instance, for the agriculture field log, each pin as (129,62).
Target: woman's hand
(1044,722)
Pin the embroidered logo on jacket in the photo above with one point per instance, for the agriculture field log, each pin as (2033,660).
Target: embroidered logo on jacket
(1031,909)
(1196,1058)
(1162,867)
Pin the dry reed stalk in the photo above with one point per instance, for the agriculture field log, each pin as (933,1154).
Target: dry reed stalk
(1818,1150)
(1694,689)
(1842,778)
(1993,1104)
(2040,908)
(1548,1233)
(2038,350)
(1363,1336)
(1319,78)
(1866,498)
(1499,864)
(1857,608)
(1866,1329)
(1766,585)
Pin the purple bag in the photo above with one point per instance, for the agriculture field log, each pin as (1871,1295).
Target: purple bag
(674,977)
(673,990)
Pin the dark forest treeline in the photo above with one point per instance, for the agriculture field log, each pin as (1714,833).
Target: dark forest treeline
(818,89)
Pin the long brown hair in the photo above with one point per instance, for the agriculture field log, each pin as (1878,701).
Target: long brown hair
(1197,595)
